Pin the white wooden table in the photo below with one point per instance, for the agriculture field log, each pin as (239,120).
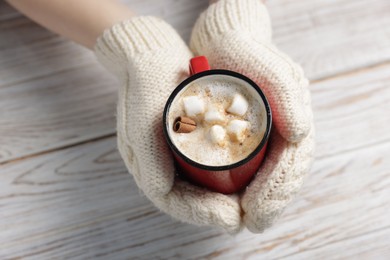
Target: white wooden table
(65,192)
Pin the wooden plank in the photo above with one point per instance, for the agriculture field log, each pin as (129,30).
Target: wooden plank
(52,92)
(373,245)
(51,112)
(81,203)
(332,37)
(32,56)
(7,12)
(353,110)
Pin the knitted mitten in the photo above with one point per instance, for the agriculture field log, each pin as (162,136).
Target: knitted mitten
(236,35)
(150,60)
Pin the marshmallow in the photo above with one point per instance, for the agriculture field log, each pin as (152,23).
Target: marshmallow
(193,105)
(214,116)
(237,130)
(217,135)
(239,105)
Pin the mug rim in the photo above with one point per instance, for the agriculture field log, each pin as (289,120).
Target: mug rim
(196,76)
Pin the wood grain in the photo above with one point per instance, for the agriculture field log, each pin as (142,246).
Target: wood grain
(353,110)
(332,37)
(46,113)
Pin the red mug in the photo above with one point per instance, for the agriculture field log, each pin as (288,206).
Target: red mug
(226,178)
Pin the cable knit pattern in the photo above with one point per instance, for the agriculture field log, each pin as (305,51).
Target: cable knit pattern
(119,45)
(227,16)
(150,59)
(249,51)
(245,46)
(280,178)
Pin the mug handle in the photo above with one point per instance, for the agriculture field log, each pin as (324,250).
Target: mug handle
(198,64)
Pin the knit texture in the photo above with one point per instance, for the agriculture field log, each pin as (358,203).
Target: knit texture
(150,60)
(235,35)
(227,16)
(247,49)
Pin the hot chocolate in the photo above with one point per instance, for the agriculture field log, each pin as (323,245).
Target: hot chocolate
(217,120)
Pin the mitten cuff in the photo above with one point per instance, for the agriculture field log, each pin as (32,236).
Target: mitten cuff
(141,34)
(246,16)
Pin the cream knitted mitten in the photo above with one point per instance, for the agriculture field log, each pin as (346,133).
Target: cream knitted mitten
(236,35)
(150,60)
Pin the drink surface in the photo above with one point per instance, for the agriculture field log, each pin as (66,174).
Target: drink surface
(230,120)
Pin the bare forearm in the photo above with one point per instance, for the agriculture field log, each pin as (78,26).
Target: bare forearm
(79,20)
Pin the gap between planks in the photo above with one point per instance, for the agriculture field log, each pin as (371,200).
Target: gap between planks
(112,134)
(59,148)
(356,71)
(337,241)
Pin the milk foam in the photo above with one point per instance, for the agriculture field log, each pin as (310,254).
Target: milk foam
(218,90)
